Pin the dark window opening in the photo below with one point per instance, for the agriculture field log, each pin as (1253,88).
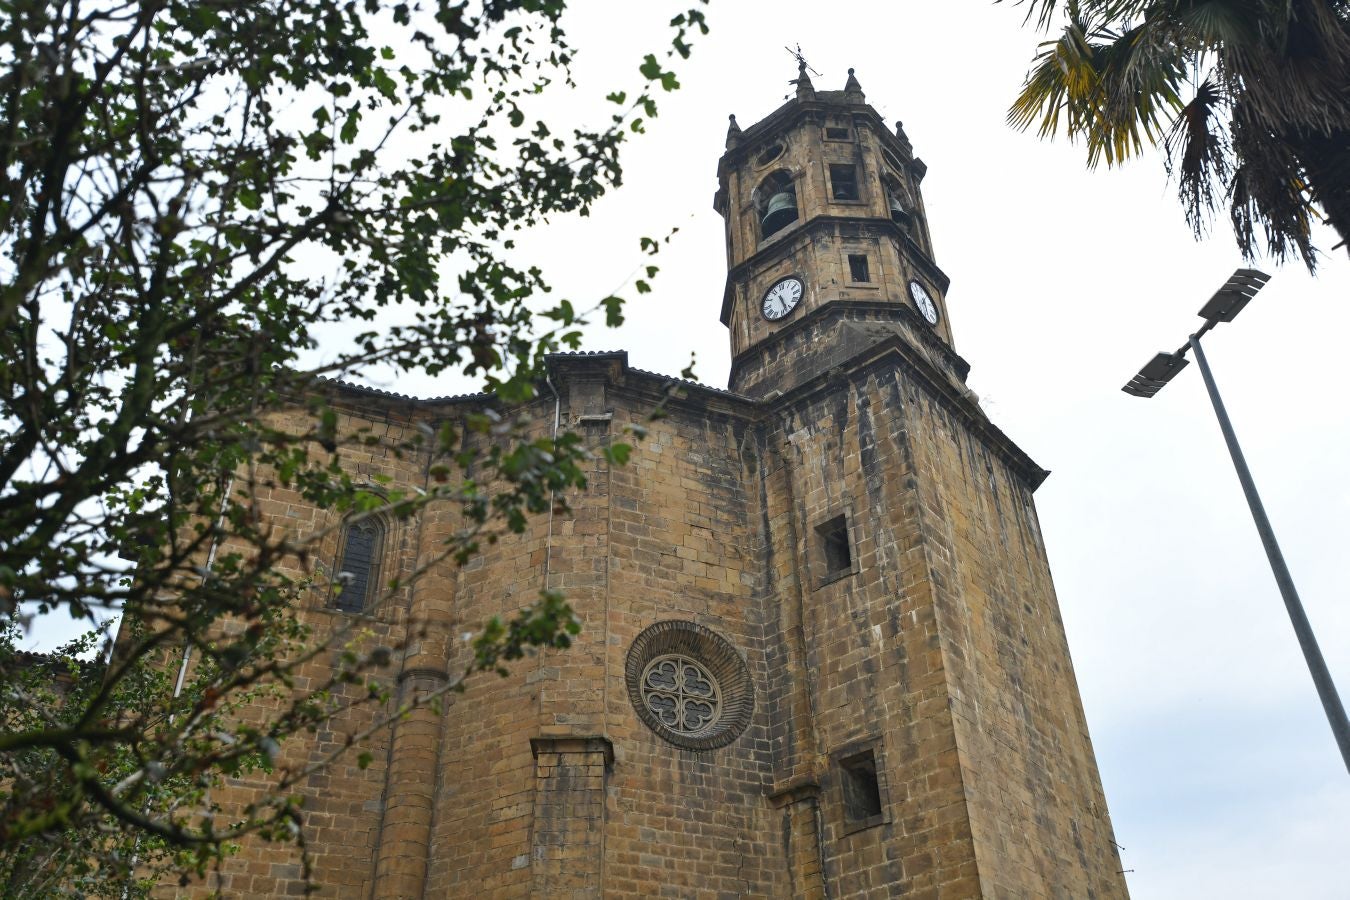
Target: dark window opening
(776,201)
(857,267)
(844,182)
(862,791)
(901,216)
(897,203)
(769,154)
(834,546)
(359,570)
(836,134)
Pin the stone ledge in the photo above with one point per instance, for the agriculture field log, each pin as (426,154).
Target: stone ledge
(595,743)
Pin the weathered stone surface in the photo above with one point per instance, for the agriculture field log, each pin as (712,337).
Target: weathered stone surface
(937,648)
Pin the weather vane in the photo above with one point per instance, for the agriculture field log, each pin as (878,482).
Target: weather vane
(801,59)
(802,78)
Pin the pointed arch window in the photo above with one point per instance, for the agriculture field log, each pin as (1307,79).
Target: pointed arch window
(358,571)
(776,203)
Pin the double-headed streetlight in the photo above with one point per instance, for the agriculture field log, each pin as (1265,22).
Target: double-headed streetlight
(1222,307)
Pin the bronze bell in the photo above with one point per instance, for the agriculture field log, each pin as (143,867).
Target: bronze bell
(899,215)
(781,210)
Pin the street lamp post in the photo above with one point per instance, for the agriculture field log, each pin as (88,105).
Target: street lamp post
(1222,307)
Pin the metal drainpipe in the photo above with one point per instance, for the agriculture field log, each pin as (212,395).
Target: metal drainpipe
(210,561)
(548,540)
(187,653)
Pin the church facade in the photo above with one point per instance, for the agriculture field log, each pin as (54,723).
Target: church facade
(821,653)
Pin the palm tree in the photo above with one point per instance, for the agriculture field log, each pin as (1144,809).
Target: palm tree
(1250,99)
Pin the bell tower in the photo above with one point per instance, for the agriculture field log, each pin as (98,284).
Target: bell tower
(826,238)
(925,730)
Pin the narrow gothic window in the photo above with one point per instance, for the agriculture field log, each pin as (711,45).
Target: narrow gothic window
(359,571)
(834,546)
(844,182)
(862,792)
(857,267)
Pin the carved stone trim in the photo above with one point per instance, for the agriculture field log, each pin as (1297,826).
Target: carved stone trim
(592,743)
(429,673)
(711,651)
(794,791)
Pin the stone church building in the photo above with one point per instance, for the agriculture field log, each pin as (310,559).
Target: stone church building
(821,653)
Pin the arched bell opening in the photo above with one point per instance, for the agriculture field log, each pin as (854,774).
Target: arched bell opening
(898,205)
(776,203)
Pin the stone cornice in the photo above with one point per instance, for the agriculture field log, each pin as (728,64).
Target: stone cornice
(817,223)
(885,354)
(692,398)
(840,309)
(568,744)
(793,111)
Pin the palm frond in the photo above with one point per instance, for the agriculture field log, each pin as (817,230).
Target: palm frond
(1062,82)
(1226,23)
(1295,72)
(1116,91)
(1043,11)
(1199,155)
(1268,124)
(1269,192)
(1142,71)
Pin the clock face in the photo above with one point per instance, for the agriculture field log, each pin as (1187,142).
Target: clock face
(782,298)
(927,308)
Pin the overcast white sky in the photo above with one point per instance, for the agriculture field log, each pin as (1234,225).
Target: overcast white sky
(1220,770)
(1219,767)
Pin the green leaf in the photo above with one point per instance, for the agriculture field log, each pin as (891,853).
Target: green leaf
(650,68)
(613,311)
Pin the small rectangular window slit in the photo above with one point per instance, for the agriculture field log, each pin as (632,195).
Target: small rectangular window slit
(844,182)
(836,134)
(862,792)
(834,546)
(857,267)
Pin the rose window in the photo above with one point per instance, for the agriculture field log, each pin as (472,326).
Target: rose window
(689,685)
(681,694)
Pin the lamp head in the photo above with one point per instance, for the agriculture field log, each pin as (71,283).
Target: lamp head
(1155,373)
(1229,300)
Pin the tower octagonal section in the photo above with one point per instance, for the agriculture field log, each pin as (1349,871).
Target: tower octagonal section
(823,196)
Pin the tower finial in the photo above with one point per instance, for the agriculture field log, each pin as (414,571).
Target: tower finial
(852,89)
(733,132)
(900,133)
(803,82)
